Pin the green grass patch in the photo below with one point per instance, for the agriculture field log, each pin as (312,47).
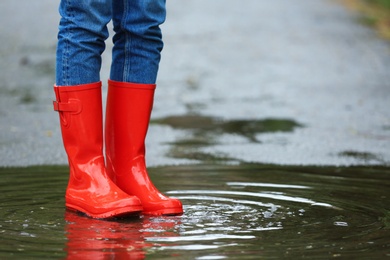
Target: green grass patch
(375,13)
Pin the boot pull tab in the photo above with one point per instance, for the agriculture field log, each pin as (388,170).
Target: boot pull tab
(73,106)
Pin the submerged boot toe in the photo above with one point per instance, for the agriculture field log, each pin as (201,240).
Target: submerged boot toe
(166,207)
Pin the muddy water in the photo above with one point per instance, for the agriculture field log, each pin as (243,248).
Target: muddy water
(246,211)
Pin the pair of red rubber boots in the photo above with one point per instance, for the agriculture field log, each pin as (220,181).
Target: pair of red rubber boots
(120,185)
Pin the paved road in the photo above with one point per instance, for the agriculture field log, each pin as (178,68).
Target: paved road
(285,82)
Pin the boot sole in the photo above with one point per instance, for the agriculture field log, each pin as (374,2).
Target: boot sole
(122,212)
(164,212)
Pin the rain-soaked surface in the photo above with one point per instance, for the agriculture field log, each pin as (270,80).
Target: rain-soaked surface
(247,211)
(244,92)
(277,82)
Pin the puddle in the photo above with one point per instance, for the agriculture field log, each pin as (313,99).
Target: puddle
(362,156)
(213,126)
(247,211)
(200,132)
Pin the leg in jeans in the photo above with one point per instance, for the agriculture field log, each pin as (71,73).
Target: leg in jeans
(82,32)
(137,40)
(136,56)
(79,104)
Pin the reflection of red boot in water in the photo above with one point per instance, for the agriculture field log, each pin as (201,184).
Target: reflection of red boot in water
(129,106)
(121,239)
(98,239)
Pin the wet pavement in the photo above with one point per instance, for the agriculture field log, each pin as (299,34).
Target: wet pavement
(250,95)
(283,82)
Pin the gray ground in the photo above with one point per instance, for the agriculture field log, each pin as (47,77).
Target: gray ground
(306,61)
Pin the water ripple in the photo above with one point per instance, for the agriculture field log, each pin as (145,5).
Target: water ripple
(198,238)
(267,185)
(250,211)
(254,194)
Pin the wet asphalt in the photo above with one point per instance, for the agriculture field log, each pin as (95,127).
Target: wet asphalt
(284,82)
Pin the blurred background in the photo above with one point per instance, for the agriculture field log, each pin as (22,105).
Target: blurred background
(259,106)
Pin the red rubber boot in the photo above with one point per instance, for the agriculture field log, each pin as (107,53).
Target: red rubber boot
(89,190)
(129,106)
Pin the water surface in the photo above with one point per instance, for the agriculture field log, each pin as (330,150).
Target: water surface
(246,211)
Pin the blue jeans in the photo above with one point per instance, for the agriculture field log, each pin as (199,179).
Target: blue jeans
(83,30)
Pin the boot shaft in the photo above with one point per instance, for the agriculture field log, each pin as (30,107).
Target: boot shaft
(129,106)
(80,112)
